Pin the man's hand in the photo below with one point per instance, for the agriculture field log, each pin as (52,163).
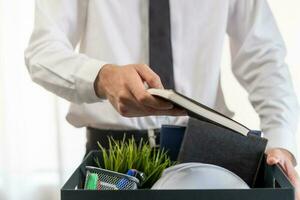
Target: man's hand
(124,87)
(285,160)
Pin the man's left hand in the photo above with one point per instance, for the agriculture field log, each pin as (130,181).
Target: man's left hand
(285,159)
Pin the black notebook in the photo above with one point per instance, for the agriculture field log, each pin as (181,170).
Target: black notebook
(213,138)
(199,111)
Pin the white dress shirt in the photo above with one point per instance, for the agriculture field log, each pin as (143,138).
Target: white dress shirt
(116,31)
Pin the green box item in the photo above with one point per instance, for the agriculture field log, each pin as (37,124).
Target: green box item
(272,184)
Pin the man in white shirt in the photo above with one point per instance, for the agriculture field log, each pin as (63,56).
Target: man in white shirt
(104,81)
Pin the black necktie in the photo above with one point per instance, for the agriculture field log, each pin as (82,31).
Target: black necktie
(160,47)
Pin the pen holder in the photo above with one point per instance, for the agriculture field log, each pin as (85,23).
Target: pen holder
(109,180)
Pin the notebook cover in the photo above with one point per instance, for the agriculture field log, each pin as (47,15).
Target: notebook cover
(209,143)
(191,113)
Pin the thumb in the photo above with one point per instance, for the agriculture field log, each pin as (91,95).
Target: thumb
(148,75)
(272,160)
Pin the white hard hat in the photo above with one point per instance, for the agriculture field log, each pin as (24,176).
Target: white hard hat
(199,176)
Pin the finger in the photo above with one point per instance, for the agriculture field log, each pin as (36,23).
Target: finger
(275,156)
(286,166)
(125,104)
(129,107)
(172,112)
(137,89)
(177,112)
(272,160)
(292,174)
(148,75)
(294,178)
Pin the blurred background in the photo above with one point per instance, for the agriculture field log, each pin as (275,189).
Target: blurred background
(36,152)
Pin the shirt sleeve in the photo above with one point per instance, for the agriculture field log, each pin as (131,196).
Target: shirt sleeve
(258,54)
(51,58)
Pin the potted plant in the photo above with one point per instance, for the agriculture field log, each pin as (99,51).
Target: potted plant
(125,155)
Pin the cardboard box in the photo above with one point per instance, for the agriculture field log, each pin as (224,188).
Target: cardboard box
(271,184)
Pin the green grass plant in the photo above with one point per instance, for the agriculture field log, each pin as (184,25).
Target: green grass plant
(127,154)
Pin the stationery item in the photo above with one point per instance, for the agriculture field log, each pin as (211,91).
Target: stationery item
(208,143)
(139,175)
(91,181)
(170,139)
(131,172)
(110,180)
(198,176)
(199,111)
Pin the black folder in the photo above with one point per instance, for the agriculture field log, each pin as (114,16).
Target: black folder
(207,142)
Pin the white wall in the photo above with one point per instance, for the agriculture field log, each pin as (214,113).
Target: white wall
(38,149)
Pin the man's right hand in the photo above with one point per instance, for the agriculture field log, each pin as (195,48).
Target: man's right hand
(124,87)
